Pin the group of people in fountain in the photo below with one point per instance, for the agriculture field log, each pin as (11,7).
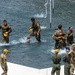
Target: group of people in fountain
(63,40)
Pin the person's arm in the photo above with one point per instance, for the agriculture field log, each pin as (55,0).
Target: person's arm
(52,58)
(71,34)
(10,30)
(39,29)
(59,58)
(2,59)
(0,26)
(64,59)
(70,52)
(32,26)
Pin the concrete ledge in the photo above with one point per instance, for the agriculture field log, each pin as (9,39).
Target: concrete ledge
(15,69)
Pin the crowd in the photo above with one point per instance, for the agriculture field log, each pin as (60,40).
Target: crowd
(61,40)
(68,59)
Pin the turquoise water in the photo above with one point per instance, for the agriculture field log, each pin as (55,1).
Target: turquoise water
(18,14)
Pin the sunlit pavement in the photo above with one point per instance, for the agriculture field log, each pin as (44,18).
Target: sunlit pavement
(14,69)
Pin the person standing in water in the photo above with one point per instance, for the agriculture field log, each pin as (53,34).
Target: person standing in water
(35,30)
(69,36)
(59,38)
(6,30)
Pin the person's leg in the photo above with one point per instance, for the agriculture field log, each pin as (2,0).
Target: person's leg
(71,40)
(56,44)
(60,43)
(3,67)
(71,69)
(38,37)
(29,36)
(67,69)
(7,39)
(3,39)
(64,43)
(53,71)
(58,69)
(58,72)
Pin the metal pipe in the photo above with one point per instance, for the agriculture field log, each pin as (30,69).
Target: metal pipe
(50,13)
(52,6)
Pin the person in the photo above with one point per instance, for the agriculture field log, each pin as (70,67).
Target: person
(56,63)
(59,38)
(69,36)
(66,60)
(35,30)
(4,62)
(6,30)
(72,59)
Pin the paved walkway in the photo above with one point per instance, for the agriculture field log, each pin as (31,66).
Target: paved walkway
(15,69)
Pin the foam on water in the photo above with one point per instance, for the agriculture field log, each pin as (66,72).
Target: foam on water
(21,40)
(40,15)
(43,27)
(62,51)
(14,42)
(4,44)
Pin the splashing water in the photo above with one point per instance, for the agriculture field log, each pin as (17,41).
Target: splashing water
(21,40)
(42,15)
(4,44)
(43,27)
(14,42)
(62,51)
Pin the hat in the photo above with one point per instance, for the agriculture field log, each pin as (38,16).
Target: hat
(56,50)
(67,48)
(5,51)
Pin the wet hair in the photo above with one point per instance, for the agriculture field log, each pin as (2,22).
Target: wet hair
(70,27)
(32,19)
(4,21)
(60,26)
